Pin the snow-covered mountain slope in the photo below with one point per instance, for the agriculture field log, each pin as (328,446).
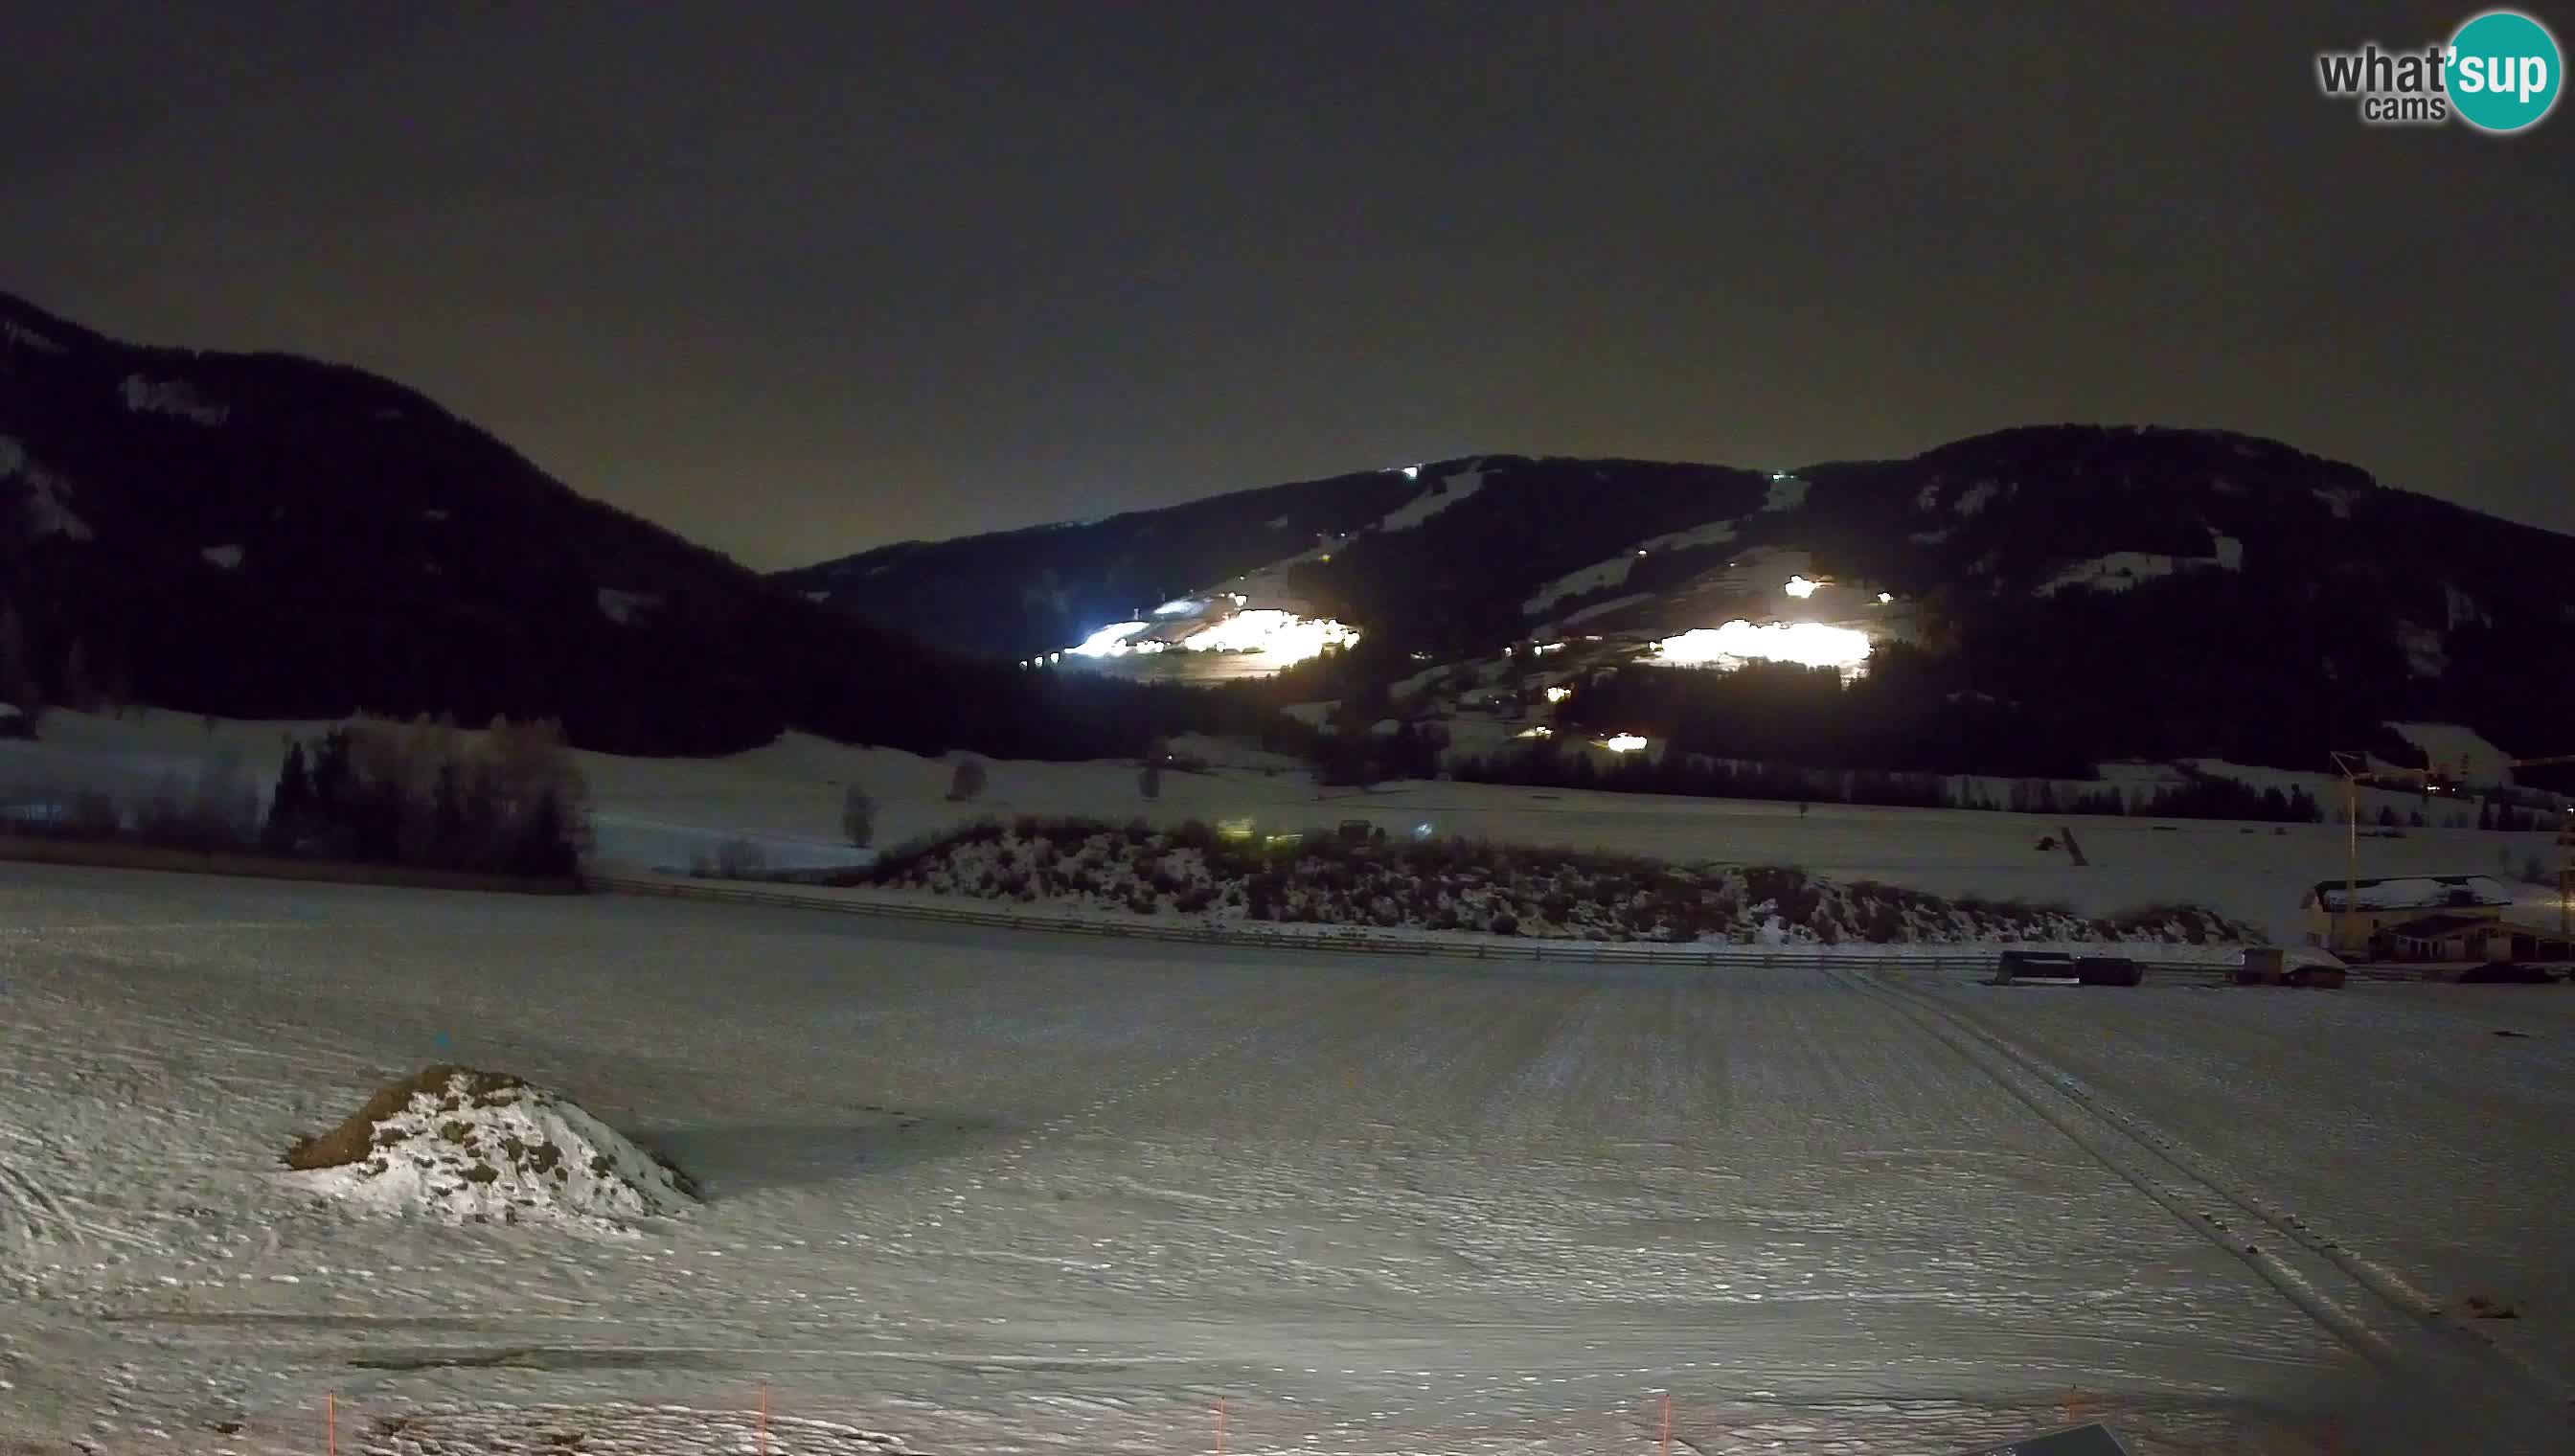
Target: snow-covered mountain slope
(259,535)
(2214,576)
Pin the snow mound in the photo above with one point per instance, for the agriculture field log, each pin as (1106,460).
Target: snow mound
(467,1146)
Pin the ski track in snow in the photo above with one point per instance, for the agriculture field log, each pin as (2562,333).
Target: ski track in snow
(2453,1365)
(998,1192)
(28,1213)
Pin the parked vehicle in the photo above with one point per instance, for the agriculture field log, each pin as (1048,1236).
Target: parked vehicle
(2109,970)
(2506,973)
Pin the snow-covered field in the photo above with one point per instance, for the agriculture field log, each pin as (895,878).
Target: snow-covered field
(983,1192)
(785,796)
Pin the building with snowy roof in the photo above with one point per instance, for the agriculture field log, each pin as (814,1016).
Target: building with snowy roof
(2348,917)
(2450,937)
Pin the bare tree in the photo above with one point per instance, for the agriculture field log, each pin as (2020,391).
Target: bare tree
(224,809)
(858,817)
(13,655)
(740,859)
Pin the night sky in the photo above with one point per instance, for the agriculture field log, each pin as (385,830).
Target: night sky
(800,280)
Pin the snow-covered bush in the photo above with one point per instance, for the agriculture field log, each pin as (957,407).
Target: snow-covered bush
(1320,877)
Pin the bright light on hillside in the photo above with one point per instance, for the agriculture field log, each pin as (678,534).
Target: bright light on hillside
(1736,642)
(1282,636)
(1275,633)
(1623,744)
(1885,596)
(1180,606)
(1800,587)
(1558,695)
(1109,642)
(1539,731)
(1546,648)
(1413,473)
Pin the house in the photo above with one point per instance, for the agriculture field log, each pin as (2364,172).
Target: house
(2381,904)
(2539,942)
(2444,937)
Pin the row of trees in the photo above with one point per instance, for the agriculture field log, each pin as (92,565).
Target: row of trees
(506,801)
(34,676)
(2197,796)
(2506,819)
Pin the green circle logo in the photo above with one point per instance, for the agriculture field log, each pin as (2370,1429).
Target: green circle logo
(2504,71)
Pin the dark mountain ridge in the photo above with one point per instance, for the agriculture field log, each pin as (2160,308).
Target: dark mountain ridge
(262,534)
(2114,589)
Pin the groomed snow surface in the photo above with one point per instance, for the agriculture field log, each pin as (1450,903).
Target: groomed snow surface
(1450,491)
(986,1192)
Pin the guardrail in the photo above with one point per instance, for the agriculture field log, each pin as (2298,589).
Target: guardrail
(1355,940)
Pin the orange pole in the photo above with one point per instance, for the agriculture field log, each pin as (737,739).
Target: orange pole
(1668,1423)
(1220,1426)
(331,1423)
(764,1419)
